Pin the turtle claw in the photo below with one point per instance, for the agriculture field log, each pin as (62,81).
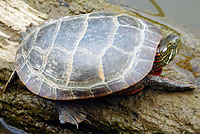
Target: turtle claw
(71,112)
(69,118)
(10,81)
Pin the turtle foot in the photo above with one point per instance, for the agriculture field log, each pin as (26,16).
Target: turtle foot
(71,112)
(161,83)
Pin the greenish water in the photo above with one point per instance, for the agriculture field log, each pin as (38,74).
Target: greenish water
(182,11)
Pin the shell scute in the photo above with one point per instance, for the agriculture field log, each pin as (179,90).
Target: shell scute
(63,94)
(98,34)
(47,91)
(34,83)
(45,36)
(146,53)
(35,58)
(130,80)
(127,39)
(20,61)
(130,21)
(114,61)
(117,85)
(56,65)
(70,32)
(82,93)
(150,43)
(100,90)
(151,27)
(28,42)
(152,36)
(24,73)
(146,66)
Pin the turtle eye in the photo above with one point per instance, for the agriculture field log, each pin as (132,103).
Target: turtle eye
(172,44)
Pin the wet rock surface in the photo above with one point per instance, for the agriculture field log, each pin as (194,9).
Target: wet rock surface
(148,111)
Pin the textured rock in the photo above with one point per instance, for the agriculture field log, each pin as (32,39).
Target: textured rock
(148,111)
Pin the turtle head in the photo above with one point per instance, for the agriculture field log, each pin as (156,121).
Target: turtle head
(168,48)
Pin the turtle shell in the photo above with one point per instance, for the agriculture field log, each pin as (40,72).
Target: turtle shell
(87,55)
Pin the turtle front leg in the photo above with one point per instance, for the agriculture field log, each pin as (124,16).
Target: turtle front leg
(70,112)
(165,84)
(10,80)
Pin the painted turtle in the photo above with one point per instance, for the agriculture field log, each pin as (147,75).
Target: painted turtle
(94,55)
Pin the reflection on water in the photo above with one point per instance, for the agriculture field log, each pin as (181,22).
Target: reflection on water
(183,11)
(152,3)
(160,12)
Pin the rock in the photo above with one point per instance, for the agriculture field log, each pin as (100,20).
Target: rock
(148,111)
(18,15)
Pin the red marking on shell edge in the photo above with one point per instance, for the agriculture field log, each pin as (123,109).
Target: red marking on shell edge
(75,98)
(49,98)
(133,92)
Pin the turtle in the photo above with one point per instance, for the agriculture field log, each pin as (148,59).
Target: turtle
(93,55)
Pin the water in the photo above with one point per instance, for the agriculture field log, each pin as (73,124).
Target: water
(182,11)
(3,130)
(7,129)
